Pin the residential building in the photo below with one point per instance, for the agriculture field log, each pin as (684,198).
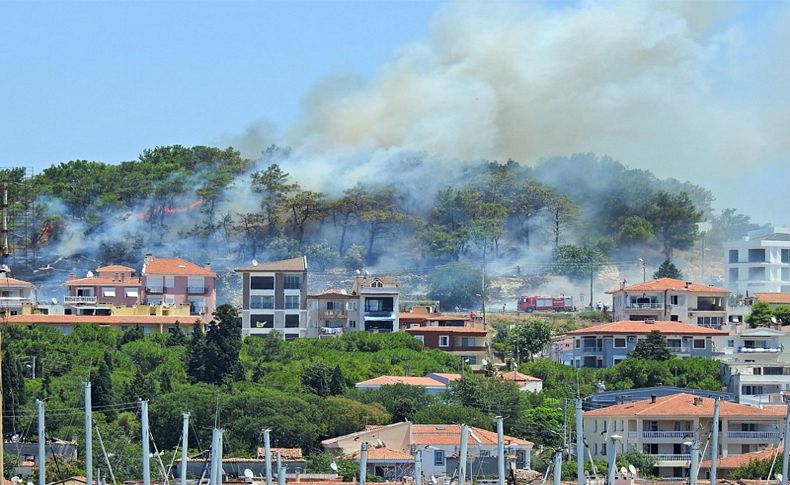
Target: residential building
(432,383)
(561,350)
(331,313)
(660,427)
(759,262)
(438,443)
(671,300)
(419,316)
(607,344)
(176,281)
(469,343)
(378,303)
(111,285)
(772,299)
(602,399)
(274,298)
(756,365)
(14,294)
(67,323)
(523,381)
(725,466)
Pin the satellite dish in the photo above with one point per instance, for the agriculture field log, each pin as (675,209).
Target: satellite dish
(484,362)
(90,274)
(632,469)
(248,473)
(333,466)
(358,271)
(623,471)
(15,479)
(29,483)
(433,480)
(255,262)
(54,301)
(773,319)
(778,476)
(367,273)
(380,443)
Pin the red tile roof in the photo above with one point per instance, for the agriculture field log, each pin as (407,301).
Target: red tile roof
(13,282)
(384,454)
(407,380)
(736,461)
(683,405)
(293,264)
(452,377)
(100,320)
(639,327)
(464,330)
(115,268)
(175,267)
(519,377)
(333,293)
(776,298)
(450,434)
(103,281)
(285,453)
(671,284)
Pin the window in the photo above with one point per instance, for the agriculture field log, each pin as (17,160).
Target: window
(352,323)
(379,304)
(757,274)
(292,282)
(673,318)
(108,292)
(733,256)
(170,281)
(786,255)
(292,321)
(785,274)
(619,343)
(603,449)
(262,321)
(377,284)
(578,343)
(131,292)
(730,344)
(757,255)
(292,302)
(421,338)
(262,283)
(291,336)
(699,343)
(438,458)
(444,340)
(673,299)
(485,454)
(261,301)
(733,274)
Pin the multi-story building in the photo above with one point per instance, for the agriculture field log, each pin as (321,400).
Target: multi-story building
(14,294)
(607,344)
(110,285)
(469,343)
(438,443)
(176,281)
(760,262)
(331,313)
(661,427)
(756,364)
(419,316)
(148,323)
(274,298)
(377,303)
(671,300)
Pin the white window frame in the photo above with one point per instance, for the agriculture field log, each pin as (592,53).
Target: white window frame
(704,344)
(108,291)
(131,293)
(298,302)
(445,339)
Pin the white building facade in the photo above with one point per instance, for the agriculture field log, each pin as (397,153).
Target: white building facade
(760,262)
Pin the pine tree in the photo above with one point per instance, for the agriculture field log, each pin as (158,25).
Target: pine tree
(176,337)
(13,384)
(652,347)
(101,388)
(668,270)
(337,384)
(131,335)
(196,355)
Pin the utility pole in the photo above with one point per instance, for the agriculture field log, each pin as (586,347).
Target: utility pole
(267,453)
(418,467)
(557,467)
(787,445)
(580,480)
(145,442)
(714,442)
(363,463)
(462,455)
(483,289)
(214,453)
(86,386)
(42,450)
(694,465)
(612,468)
(591,288)
(280,470)
(2,439)
(184,446)
(500,449)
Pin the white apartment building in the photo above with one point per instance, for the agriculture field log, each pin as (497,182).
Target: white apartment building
(760,262)
(274,298)
(378,304)
(14,294)
(331,313)
(756,366)
(668,299)
(660,427)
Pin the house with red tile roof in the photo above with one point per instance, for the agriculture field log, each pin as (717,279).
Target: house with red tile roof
(725,466)
(110,285)
(469,343)
(148,323)
(606,344)
(672,300)
(660,426)
(176,281)
(438,443)
(524,382)
(14,294)
(432,383)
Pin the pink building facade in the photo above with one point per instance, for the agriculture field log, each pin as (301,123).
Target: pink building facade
(114,285)
(175,281)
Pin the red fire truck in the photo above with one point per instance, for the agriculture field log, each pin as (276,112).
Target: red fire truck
(531,304)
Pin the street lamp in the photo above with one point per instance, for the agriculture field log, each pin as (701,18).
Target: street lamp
(644,270)
(612,469)
(464,361)
(483,307)
(694,465)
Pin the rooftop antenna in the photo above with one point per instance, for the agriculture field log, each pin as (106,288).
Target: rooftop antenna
(255,262)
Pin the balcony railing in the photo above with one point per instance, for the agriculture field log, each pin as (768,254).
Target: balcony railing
(754,350)
(154,289)
(680,349)
(755,435)
(196,290)
(666,434)
(333,314)
(654,305)
(591,350)
(681,458)
(330,331)
(632,435)
(73,300)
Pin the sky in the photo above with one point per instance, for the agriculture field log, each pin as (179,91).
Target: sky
(691,90)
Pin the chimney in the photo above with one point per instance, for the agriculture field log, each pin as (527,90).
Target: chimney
(207,265)
(148,258)
(697,401)
(688,284)
(653,399)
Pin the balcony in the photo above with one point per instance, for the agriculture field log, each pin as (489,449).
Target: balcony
(760,350)
(754,435)
(154,289)
(76,300)
(642,306)
(681,349)
(680,459)
(330,331)
(674,435)
(331,314)
(590,350)
(196,290)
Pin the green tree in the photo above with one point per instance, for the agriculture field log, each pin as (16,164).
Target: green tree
(223,342)
(196,354)
(101,385)
(14,396)
(273,184)
(760,314)
(577,262)
(652,347)
(492,396)
(644,463)
(635,230)
(563,211)
(442,413)
(782,313)
(337,384)
(674,219)
(455,285)
(668,270)
(757,469)
(531,337)
(134,333)
(400,400)
(317,378)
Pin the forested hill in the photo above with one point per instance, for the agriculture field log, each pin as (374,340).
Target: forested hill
(210,204)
